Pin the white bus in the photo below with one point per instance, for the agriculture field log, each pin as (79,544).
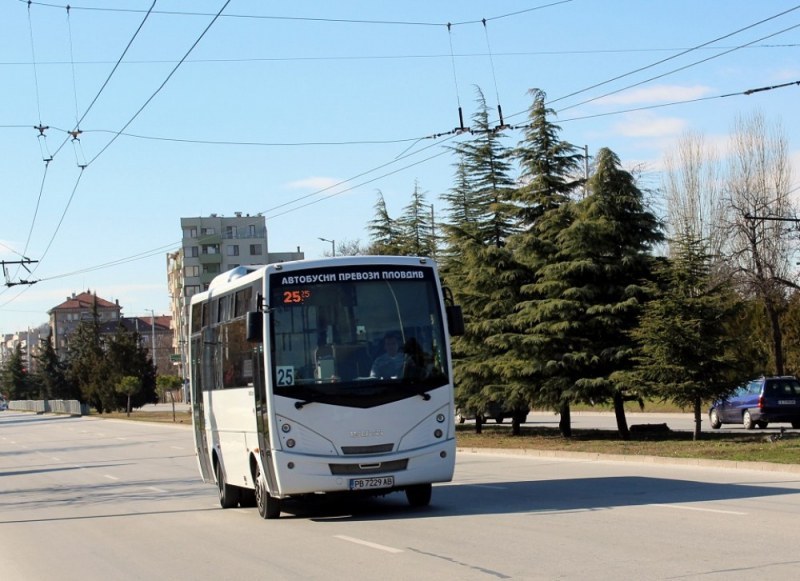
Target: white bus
(323,376)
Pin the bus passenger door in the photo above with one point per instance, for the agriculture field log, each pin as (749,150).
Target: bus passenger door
(262,417)
(198,413)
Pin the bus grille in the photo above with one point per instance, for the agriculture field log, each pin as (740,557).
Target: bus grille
(368,468)
(377,449)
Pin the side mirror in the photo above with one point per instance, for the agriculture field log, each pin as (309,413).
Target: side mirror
(255,326)
(455,320)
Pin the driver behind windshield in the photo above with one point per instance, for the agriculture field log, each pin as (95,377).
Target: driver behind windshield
(390,363)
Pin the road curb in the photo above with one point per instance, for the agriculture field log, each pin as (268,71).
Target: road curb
(659,460)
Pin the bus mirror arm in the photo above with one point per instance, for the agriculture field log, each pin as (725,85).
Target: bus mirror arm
(301,404)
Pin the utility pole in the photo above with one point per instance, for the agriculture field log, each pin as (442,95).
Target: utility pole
(433,234)
(153,335)
(585,170)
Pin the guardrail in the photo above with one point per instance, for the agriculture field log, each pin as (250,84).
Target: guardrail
(50,406)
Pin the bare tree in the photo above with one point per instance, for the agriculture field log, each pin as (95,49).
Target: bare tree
(760,239)
(694,194)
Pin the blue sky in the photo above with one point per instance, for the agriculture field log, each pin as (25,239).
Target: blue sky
(280,100)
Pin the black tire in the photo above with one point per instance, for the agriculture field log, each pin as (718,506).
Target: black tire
(762,424)
(521,417)
(268,506)
(461,418)
(228,495)
(419,494)
(713,420)
(499,419)
(747,420)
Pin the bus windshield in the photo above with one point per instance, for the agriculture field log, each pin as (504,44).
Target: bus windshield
(357,336)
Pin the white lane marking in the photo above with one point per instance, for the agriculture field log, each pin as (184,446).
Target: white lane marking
(368,544)
(154,489)
(121,438)
(176,447)
(681,507)
(56,459)
(110,477)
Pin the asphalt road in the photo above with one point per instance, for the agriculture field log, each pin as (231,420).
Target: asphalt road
(89,499)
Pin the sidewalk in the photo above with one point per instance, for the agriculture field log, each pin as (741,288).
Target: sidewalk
(164,407)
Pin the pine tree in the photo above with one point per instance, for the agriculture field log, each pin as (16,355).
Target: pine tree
(689,354)
(416,226)
(596,285)
(549,169)
(480,203)
(126,356)
(550,165)
(51,374)
(15,375)
(480,269)
(86,365)
(385,238)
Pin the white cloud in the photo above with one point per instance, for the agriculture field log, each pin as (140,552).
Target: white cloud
(650,125)
(656,94)
(788,74)
(313,183)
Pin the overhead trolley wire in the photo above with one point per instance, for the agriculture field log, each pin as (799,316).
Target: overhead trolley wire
(75,133)
(672,57)
(152,252)
(163,84)
(298,18)
(421,161)
(678,69)
(82,167)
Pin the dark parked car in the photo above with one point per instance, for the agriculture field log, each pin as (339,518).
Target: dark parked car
(494,412)
(758,403)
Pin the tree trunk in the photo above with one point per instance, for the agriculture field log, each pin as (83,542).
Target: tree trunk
(128,407)
(515,425)
(777,335)
(565,421)
(478,424)
(698,417)
(619,412)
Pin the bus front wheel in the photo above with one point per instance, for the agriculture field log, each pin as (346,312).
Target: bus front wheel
(268,506)
(419,494)
(228,495)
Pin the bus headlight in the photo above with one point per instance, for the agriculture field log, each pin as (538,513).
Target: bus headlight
(286,428)
(440,418)
(437,433)
(290,443)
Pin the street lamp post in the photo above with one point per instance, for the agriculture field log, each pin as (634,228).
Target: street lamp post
(153,335)
(333,245)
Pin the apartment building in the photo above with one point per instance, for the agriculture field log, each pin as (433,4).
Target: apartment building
(210,246)
(65,317)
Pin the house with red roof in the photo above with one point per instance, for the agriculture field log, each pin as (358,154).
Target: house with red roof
(66,317)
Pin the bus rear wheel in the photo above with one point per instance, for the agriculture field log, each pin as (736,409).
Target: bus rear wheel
(419,494)
(268,506)
(228,495)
